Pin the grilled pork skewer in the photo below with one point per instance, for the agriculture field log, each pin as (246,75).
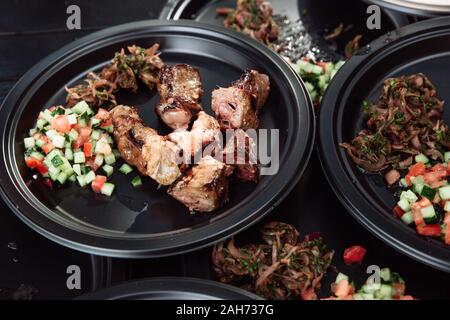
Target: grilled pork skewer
(237,106)
(142,147)
(180,90)
(204,187)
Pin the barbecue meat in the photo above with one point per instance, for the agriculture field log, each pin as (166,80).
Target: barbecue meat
(142,147)
(237,107)
(180,91)
(255,83)
(205,131)
(234,109)
(204,187)
(241,153)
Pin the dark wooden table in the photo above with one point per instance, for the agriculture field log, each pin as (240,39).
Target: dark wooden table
(29,30)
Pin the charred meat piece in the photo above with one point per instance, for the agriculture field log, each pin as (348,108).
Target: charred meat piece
(234,109)
(204,187)
(205,131)
(255,83)
(241,153)
(142,147)
(180,91)
(237,107)
(174,114)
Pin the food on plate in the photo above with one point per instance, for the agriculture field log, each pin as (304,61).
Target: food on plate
(405,122)
(141,146)
(73,144)
(316,75)
(390,287)
(282,267)
(354,255)
(122,73)
(204,187)
(237,107)
(425,201)
(180,91)
(241,153)
(252,17)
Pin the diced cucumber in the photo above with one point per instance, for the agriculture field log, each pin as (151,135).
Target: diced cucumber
(108,170)
(95,122)
(447,206)
(404,205)
(58,141)
(317,70)
(57,161)
(370,287)
(72,178)
(40,123)
(69,154)
(99,160)
(408,217)
(107,189)
(110,159)
(53,172)
(73,134)
(77,169)
(68,111)
(110,140)
(309,86)
(385,274)
(409,196)
(53,153)
(81,181)
(39,143)
(428,213)
(47,115)
(37,155)
(444,193)
(447,156)
(82,123)
(96,134)
(108,129)
(51,133)
(72,119)
(82,107)
(428,193)
(29,142)
(384,292)
(340,277)
(78,157)
(62,177)
(125,169)
(136,182)
(89,177)
(116,153)
(358,296)
(421,158)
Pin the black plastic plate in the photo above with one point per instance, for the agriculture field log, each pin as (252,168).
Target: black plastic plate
(146,222)
(318,16)
(171,288)
(421,47)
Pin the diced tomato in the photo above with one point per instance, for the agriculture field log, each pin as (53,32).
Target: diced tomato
(87,149)
(417,170)
(61,123)
(447,228)
(354,254)
(416,209)
(102,114)
(398,212)
(48,183)
(91,163)
(48,147)
(399,290)
(98,183)
(431,230)
(36,164)
(85,132)
(309,294)
(106,123)
(448,168)
(52,108)
(406,298)
(439,167)
(342,289)
(434,177)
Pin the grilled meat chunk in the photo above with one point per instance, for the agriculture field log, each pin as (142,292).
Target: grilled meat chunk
(204,187)
(180,91)
(241,153)
(255,83)
(205,131)
(237,107)
(142,147)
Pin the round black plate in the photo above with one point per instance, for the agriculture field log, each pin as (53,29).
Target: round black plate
(146,222)
(421,47)
(427,8)
(319,17)
(171,289)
